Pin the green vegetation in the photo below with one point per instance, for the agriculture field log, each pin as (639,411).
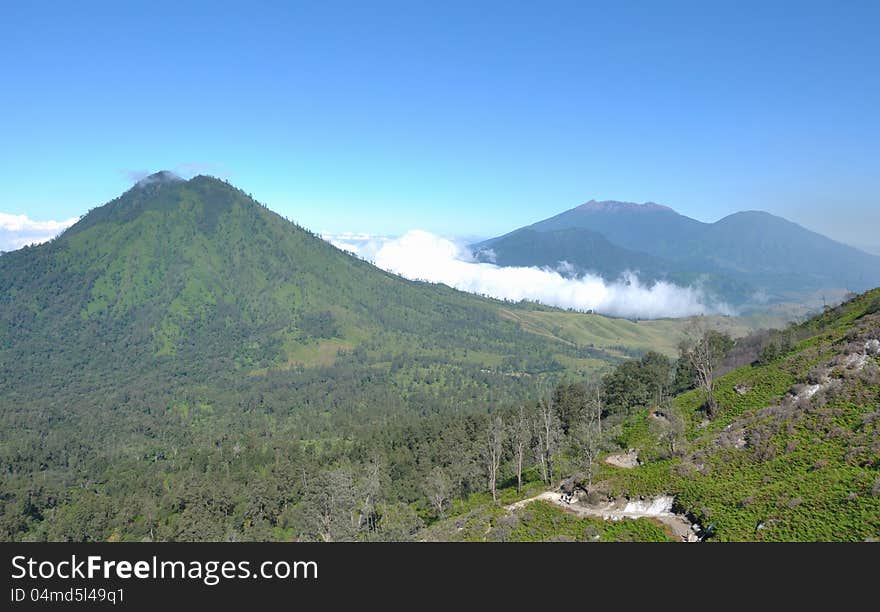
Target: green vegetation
(779,463)
(542,522)
(598,336)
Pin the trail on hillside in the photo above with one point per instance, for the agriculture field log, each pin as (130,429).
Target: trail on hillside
(679,525)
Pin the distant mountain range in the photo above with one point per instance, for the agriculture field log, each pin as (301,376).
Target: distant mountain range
(746,258)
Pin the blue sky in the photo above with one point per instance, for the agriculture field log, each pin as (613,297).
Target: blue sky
(461,118)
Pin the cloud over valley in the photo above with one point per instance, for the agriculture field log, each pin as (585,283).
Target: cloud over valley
(420,255)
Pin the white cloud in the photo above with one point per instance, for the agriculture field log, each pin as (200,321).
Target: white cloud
(17,231)
(420,255)
(363,245)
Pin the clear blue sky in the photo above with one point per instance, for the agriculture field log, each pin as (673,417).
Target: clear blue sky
(455,117)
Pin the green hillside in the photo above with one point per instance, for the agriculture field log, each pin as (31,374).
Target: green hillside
(792,453)
(795,451)
(194,279)
(626,338)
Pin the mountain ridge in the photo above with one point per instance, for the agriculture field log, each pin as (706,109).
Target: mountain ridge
(740,256)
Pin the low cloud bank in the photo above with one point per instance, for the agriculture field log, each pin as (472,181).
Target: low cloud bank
(17,231)
(419,255)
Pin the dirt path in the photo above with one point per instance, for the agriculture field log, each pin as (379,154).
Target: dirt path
(679,525)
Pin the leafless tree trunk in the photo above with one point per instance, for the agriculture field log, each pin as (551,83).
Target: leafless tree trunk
(439,490)
(539,457)
(674,430)
(701,360)
(708,350)
(548,433)
(589,436)
(520,436)
(370,490)
(492,452)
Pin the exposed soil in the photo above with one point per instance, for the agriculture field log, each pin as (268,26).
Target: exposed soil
(659,509)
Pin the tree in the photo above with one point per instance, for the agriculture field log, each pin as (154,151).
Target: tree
(705,355)
(669,428)
(438,487)
(494,447)
(588,436)
(636,383)
(369,490)
(520,436)
(328,511)
(548,433)
(568,403)
(398,523)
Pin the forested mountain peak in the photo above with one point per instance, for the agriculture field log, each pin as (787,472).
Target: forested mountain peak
(166,193)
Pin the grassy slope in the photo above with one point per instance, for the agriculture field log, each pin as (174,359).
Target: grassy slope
(624,336)
(808,471)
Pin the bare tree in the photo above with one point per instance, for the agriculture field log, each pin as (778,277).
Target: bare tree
(370,491)
(588,436)
(438,487)
(548,433)
(520,437)
(329,508)
(671,428)
(705,355)
(492,451)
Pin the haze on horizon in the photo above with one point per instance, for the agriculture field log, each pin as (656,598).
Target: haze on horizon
(397,117)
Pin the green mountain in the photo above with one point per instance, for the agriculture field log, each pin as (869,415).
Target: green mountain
(193,282)
(746,258)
